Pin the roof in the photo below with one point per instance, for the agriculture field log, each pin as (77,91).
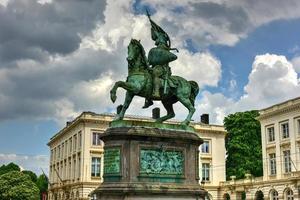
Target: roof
(108,117)
(282,107)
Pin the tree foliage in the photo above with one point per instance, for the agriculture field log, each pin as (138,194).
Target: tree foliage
(42,183)
(17,186)
(243,144)
(8,168)
(32,175)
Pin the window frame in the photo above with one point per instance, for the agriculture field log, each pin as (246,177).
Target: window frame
(271,133)
(205,147)
(287,161)
(285,132)
(298,126)
(272,162)
(206,172)
(275,195)
(94,166)
(98,141)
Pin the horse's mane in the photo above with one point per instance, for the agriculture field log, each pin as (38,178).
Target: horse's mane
(142,50)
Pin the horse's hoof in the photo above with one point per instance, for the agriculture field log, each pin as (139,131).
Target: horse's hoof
(117,118)
(158,121)
(184,123)
(113,98)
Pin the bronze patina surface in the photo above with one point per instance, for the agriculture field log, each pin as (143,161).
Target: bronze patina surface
(152,79)
(127,123)
(154,164)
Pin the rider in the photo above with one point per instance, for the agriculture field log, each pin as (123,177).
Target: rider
(159,58)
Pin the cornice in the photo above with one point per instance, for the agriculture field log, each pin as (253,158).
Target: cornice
(105,119)
(286,109)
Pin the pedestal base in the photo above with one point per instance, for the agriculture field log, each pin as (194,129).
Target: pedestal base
(150,163)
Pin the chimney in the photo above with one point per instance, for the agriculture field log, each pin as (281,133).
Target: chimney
(68,123)
(204,118)
(155,113)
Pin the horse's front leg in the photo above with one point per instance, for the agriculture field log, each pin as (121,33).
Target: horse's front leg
(126,104)
(113,92)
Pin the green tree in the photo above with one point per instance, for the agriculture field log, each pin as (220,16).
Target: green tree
(32,175)
(8,168)
(243,144)
(42,183)
(17,186)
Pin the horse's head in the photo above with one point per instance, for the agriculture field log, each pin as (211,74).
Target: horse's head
(135,49)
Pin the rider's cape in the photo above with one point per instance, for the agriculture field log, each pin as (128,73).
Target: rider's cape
(160,56)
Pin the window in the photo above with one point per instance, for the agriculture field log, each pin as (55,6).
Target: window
(62,150)
(96,139)
(274,195)
(208,197)
(205,172)
(51,155)
(272,163)
(298,124)
(79,167)
(70,144)
(205,147)
(285,130)
(80,139)
(66,147)
(287,161)
(271,134)
(75,142)
(96,163)
(289,194)
(74,168)
(94,197)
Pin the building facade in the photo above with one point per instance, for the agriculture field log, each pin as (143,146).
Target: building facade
(76,156)
(280,135)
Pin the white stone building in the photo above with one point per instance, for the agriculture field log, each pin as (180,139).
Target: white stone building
(280,135)
(76,163)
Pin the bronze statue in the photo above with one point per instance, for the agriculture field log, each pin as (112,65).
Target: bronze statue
(155,82)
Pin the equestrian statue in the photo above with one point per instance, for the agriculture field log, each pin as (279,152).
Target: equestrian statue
(152,79)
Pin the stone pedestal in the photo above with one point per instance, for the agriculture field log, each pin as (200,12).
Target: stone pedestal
(150,163)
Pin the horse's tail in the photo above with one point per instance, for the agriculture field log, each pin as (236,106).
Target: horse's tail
(194,92)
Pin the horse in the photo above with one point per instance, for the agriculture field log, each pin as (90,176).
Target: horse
(139,82)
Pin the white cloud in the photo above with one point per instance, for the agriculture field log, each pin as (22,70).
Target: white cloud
(64,85)
(296,63)
(201,67)
(44,1)
(4,2)
(27,162)
(273,79)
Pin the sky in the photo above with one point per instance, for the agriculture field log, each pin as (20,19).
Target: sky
(59,58)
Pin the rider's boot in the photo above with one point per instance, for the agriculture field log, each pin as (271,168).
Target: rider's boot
(148,103)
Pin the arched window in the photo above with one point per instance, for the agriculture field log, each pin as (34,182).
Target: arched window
(259,195)
(289,195)
(226,196)
(208,197)
(274,195)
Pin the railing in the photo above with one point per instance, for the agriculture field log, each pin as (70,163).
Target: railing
(241,181)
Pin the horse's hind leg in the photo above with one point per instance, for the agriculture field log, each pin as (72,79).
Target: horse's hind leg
(188,104)
(170,112)
(126,104)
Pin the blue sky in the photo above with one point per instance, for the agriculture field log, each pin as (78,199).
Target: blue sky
(238,54)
